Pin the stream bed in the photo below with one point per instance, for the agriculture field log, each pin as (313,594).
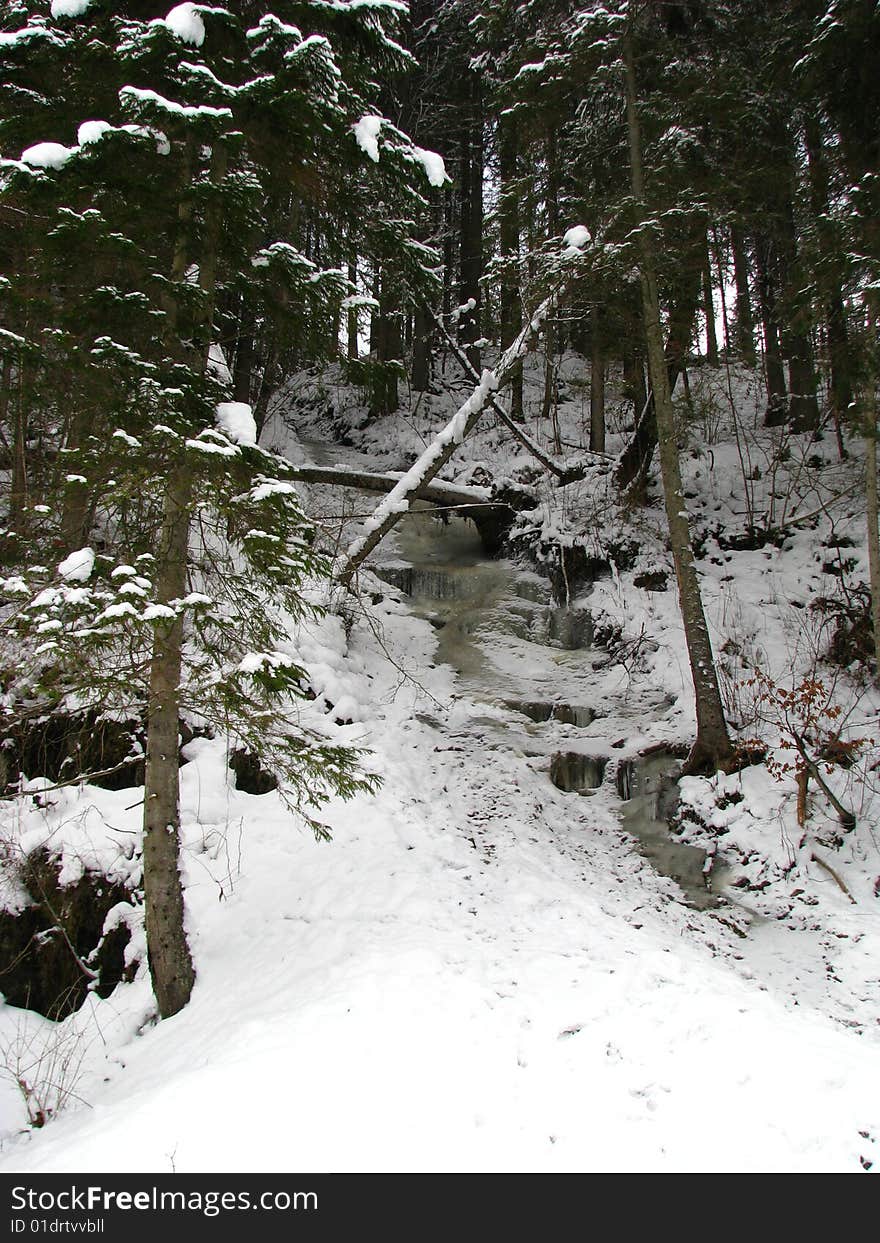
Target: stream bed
(514,649)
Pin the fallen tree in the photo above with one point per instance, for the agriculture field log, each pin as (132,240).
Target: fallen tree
(491,517)
(440,450)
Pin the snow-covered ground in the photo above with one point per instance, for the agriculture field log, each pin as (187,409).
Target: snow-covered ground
(481,972)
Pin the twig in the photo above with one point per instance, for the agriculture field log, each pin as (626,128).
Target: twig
(847,818)
(834,876)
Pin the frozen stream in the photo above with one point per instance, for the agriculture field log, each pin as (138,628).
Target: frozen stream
(531,669)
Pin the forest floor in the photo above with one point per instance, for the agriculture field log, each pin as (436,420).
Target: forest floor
(481,971)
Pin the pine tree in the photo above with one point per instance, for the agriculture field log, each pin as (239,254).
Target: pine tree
(173,161)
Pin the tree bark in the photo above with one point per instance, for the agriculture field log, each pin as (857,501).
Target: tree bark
(18,498)
(712,748)
(597,382)
(471,224)
(774,372)
(511,304)
(870,418)
(797,346)
(745,320)
(829,281)
(421,354)
(351,327)
(709,311)
(171,966)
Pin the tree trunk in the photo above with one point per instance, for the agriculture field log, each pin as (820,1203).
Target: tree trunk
(709,311)
(870,419)
(635,461)
(243,369)
(511,304)
(18,498)
(76,507)
(712,748)
(385,341)
(803,406)
(421,355)
(774,372)
(597,382)
(471,224)
(171,966)
(745,320)
(440,449)
(829,280)
(352,347)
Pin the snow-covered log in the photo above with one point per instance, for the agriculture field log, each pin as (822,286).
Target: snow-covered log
(440,450)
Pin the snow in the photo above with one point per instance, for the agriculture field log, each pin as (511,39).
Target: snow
(236,420)
(11,38)
(576,238)
(441,989)
(191,112)
(185,22)
(434,167)
(158,612)
(217,364)
(69,8)
(47,155)
(481,972)
(366,134)
(92,131)
(78,566)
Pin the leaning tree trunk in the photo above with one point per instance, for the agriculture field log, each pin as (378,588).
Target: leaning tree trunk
(439,451)
(712,748)
(635,461)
